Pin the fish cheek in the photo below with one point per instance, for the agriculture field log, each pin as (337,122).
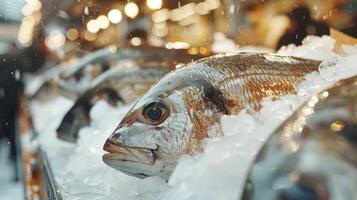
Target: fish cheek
(174,133)
(195,108)
(205,116)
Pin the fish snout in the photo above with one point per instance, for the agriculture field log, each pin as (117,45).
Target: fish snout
(112,142)
(75,119)
(67,132)
(116,139)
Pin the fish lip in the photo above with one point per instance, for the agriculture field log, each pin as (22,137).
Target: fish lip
(129,154)
(109,158)
(140,175)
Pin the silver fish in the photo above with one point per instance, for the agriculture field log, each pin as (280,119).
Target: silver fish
(71,79)
(186,105)
(142,54)
(313,155)
(44,83)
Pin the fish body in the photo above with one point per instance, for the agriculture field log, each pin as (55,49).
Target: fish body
(72,80)
(185,107)
(143,55)
(313,155)
(121,84)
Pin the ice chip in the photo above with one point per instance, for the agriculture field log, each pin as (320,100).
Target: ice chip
(314,47)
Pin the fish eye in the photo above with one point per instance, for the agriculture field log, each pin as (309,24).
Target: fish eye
(156,112)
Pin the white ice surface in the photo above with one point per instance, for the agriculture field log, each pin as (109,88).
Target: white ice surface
(46,118)
(217,173)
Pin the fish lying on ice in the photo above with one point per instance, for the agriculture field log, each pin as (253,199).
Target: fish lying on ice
(83,73)
(122,84)
(313,155)
(186,105)
(72,80)
(52,79)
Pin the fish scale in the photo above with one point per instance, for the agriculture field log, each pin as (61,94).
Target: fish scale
(258,77)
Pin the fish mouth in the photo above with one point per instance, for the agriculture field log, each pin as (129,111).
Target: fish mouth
(130,160)
(133,154)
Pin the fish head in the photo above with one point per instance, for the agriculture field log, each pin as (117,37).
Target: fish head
(167,122)
(150,137)
(76,118)
(79,114)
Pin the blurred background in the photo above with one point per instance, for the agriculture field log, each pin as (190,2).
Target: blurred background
(38,34)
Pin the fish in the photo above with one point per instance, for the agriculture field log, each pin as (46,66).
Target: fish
(313,154)
(91,66)
(73,79)
(144,54)
(50,80)
(120,85)
(185,107)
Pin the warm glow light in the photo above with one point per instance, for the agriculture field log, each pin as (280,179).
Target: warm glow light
(203,50)
(202,8)
(90,36)
(115,16)
(32,17)
(131,9)
(72,34)
(160,29)
(86,10)
(177,45)
(135,41)
(103,22)
(27,10)
(25,35)
(92,26)
(183,12)
(26,31)
(36,17)
(154,4)
(29,21)
(55,40)
(35,4)
(213,4)
(161,15)
(337,126)
(31,7)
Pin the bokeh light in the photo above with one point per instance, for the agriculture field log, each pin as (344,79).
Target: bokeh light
(131,10)
(92,26)
(72,34)
(55,40)
(154,4)
(102,22)
(115,16)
